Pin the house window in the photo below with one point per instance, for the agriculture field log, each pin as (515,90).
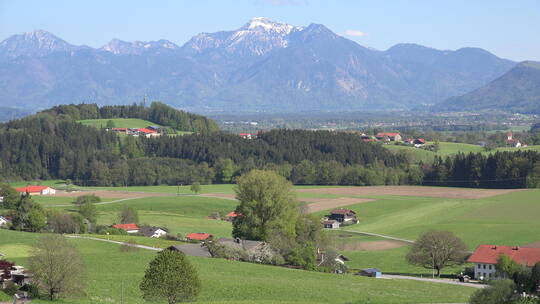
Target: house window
(490,267)
(479,266)
(484,266)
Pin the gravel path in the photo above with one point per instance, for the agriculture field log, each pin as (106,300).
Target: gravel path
(450,282)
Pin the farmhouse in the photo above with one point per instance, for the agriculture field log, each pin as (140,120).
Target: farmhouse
(199,236)
(331,224)
(147,132)
(343,216)
(129,228)
(36,190)
(256,251)
(153,232)
(485,258)
(247,135)
(9,272)
(198,250)
(388,136)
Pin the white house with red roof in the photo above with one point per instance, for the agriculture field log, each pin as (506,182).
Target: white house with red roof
(129,228)
(388,136)
(36,190)
(147,132)
(485,258)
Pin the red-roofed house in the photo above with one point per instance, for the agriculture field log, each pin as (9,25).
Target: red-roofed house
(485,258)
(36,190)
(198,236)
(147,132)
(388,136)
(129,228)
(247,135)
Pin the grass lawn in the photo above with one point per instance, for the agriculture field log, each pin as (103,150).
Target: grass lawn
(509,219)
(218,188)
(109,272)
(413,154)
(118,123)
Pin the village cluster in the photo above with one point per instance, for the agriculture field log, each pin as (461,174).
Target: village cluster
(150,131)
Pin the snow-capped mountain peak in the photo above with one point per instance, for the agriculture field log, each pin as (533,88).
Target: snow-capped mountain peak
(262,23)
(119,47)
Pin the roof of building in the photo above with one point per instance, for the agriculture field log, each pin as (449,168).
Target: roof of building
(198,236)
(31,189)
(150,230)
(120,129)
(421,140)
(389,134)
(238,243)
(329,222)
(145,130)
(342,211)
(488,254)
(232,214)
(126,227)
(192,250)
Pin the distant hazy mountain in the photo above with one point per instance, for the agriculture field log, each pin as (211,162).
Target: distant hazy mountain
(516,91)
(262,66)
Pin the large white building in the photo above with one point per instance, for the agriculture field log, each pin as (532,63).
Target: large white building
(485,258)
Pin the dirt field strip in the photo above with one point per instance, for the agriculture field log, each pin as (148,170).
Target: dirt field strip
(443,192)
(320,204)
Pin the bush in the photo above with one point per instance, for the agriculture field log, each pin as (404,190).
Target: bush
(129,246)
(11,288)
(500,292)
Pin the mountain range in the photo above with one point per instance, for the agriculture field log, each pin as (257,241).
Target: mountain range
(516,91)
(262,66)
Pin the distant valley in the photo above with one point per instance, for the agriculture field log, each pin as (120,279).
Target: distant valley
(264,66)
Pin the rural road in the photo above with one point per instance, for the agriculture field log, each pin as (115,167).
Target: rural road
(100,203)
(379,235)
(115,242)
(400,277)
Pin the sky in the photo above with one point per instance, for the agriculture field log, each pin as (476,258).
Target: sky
(508,28)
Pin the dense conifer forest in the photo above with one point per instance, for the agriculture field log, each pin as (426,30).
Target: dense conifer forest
(53,145)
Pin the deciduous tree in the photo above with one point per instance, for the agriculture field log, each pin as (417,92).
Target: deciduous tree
(171,277)
(267,204)
(57,267)
(128,215)
(436,250)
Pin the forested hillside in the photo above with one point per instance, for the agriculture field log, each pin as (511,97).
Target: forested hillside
(53,145)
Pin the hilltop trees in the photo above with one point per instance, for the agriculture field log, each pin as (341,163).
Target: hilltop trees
(437,250)
(56,266)
(170,277)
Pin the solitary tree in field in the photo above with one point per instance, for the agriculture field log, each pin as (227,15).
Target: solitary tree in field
(195,187)
(128,215)
(57,267)
(436,250)
(267,204)
(170,277)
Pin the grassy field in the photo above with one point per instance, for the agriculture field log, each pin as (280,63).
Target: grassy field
(118,123)
(447,149)
(109,272)
(509,219)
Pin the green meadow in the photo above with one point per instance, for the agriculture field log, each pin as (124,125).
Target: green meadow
(113,275)
(118,123)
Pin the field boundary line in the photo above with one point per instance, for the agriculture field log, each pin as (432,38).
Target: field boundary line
(402,277)
(380,235)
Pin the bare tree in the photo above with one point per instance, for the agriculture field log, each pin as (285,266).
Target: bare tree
(436,250)
(57,266)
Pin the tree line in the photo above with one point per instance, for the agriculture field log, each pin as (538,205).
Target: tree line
(519,169)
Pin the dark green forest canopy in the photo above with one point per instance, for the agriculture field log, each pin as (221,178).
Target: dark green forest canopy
(52,145)
(158,113)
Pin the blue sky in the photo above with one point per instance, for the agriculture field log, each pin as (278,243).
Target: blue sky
(510,29)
